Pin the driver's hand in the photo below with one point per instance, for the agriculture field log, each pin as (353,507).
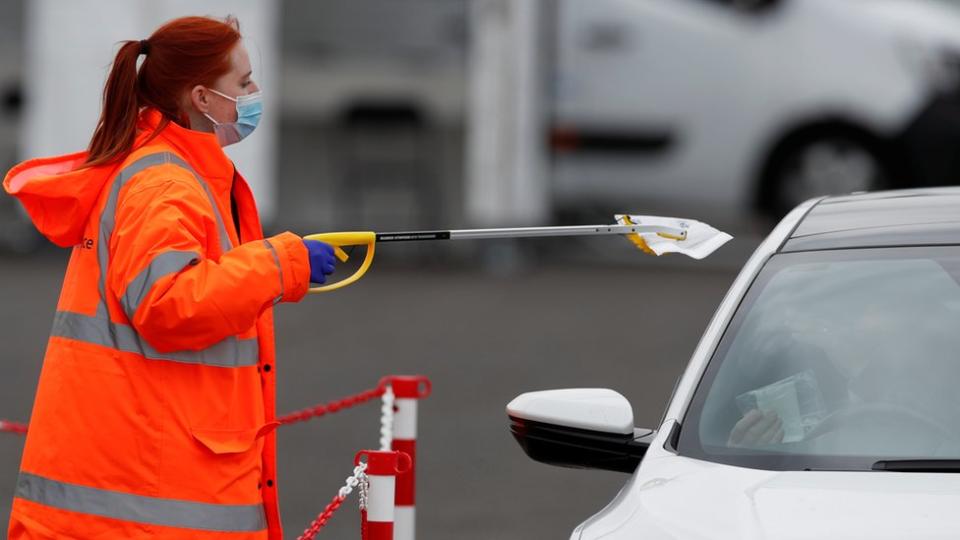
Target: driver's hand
(756,429)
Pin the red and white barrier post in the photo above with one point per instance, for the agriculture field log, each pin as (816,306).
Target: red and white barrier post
(408,390)
(382,471)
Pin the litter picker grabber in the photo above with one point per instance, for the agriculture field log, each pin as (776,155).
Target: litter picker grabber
(652,234)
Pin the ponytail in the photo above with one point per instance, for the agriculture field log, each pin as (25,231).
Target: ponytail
(117,126)
(180,54)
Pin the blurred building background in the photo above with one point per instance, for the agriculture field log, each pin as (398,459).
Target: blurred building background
(401,114)
(368,101)
(446,113)
(372,113)
(15,233)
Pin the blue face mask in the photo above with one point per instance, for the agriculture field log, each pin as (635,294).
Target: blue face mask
(249,109)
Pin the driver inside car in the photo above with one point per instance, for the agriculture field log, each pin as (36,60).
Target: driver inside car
(867,368)
(796,378)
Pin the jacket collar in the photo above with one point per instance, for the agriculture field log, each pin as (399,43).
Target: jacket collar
(201,150)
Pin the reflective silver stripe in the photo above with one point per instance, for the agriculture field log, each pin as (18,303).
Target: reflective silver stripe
(225,243)
(230,352)
(108,217)
(141,509)
(276,259)
(109,214)
(163,264)
(100,330)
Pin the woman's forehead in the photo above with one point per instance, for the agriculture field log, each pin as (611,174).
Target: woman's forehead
(240,60)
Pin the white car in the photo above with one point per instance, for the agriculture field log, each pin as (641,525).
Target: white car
(752,103)
(821,402)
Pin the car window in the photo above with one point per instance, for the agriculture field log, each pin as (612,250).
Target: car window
(836,360)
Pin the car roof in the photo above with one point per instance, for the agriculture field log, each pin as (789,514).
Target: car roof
(929,216)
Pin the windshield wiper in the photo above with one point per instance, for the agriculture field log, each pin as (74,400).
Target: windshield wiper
(918,465)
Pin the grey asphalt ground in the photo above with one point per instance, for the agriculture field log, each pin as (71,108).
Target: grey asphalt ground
(482,338)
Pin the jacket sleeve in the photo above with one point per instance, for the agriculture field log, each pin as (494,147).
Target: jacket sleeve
(173,294)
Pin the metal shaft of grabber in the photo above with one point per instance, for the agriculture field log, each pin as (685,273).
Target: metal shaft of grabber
(408,390)
(382,470)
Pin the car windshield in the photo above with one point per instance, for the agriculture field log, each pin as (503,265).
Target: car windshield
(835,360)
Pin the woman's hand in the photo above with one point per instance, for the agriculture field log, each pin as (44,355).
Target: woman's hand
(322,260)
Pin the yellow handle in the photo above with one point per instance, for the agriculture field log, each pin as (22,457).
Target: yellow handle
(338,239)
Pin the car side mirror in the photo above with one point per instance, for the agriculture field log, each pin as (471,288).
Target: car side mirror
(586,428)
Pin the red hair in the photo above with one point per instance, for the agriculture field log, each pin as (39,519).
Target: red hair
(180,54)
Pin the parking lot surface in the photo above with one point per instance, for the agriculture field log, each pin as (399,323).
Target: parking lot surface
(482,338)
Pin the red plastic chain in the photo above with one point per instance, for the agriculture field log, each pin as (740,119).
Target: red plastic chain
(12,427)
(332,406)
(322,519)
(297,416)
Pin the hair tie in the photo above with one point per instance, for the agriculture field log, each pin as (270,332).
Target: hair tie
(144,47)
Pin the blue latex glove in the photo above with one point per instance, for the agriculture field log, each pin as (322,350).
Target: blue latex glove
(322,260)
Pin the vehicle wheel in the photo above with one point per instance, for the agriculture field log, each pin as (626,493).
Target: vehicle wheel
(821,164)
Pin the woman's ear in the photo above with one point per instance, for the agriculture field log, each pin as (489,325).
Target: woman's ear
(200,99)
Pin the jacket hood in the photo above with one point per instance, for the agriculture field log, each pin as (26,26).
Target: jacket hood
(58,194)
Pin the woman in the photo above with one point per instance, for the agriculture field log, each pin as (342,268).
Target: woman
(154,413)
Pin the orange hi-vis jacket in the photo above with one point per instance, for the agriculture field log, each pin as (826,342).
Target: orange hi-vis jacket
(154,413)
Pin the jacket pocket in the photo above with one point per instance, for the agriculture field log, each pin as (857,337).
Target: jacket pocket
(231,441)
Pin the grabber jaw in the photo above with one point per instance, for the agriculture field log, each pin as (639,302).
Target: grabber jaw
(641,243)
(692,238)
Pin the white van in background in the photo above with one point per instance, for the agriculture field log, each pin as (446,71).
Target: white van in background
(751,104)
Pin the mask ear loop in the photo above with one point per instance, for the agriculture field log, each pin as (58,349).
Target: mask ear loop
(221,94)
(210,118)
